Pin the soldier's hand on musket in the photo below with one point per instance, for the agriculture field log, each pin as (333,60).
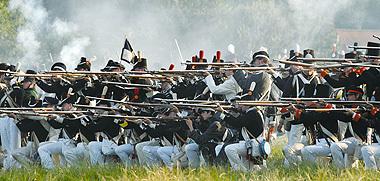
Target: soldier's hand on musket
(189,124)
(376,61)
(206,74)
(174,108)
(147,121)
(12,115)
(291,108)
(3,86)
(271,71)
(148,89)
(219,108)
(51,117)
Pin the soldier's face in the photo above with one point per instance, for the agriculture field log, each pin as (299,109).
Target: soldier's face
(352,97)
(67,106)
(50,106)
(139,69)
(27,84)
(165,86)
(228,73)
(309,71)
(295,68)
(259,61)
(205,115)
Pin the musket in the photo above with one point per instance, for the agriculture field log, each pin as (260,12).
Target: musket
(153,104)
(328,59)
(344,65)
(8,72)
(182,71)
(123,116)
(219,102)
(129,84)
(354,102)
(142,117)
(25,108)
(27,113)
(95,107)
(189,101)
(148,76)
(334,66)
(335,109)
(200,105)
(34,75)
(81,72)
(296,63)
(364,47)
(361,65)
(60,112)
(126,74)
(124,102)
(264,104)
(369,56)
(307,99)
(214,64)
(255,68)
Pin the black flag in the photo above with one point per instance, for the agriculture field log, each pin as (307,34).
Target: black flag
(127,52)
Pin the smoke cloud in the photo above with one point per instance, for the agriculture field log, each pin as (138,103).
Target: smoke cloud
(73,28)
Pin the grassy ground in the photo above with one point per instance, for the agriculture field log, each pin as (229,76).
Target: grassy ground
(275,171)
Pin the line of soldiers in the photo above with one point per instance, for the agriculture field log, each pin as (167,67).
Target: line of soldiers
(87,119)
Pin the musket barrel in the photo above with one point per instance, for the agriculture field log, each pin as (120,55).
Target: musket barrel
(364,47)
(212,64)
(296,63)
(25,108)
(254,68)
(129,84)
(327,59)
(306,99)
(335,109)
(33,75)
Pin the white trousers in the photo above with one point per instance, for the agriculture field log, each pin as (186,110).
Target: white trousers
(343,152)
(10,134)
(292,153)
(47,149)
(310,153)
(21,157)
(237,156)
(165,153)
(99,150)
(125,153)
(76,155)
(371,156)
(151,156)
(139,150)
(193,155)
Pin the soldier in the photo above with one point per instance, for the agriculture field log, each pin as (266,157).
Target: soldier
(371,152)
(347,78)
(108,133)
(69,127)
(164,131)
(60,87)
(249,121)
(346,152)
(205,134)
(38,130)
(229,88)
(9,133)
(139,94)
(256,84)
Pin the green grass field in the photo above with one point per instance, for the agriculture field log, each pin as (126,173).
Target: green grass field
(275,171)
